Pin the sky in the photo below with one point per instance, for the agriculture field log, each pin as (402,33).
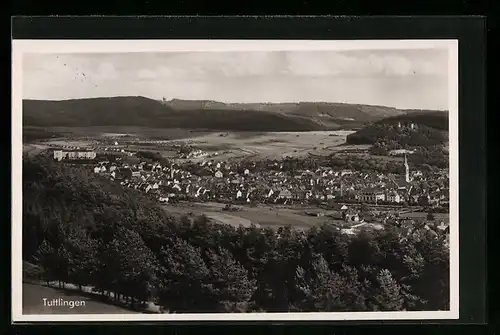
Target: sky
(409,79)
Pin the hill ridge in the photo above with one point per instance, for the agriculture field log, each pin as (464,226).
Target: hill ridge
(178,113)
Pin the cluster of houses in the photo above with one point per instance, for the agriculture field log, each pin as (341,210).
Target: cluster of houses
(197,154)
(228,182)
(406,227)
(407,125)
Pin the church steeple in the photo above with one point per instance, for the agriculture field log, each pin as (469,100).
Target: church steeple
(407,170)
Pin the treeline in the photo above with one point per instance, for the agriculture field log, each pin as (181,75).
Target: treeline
(428,158)
(87,231)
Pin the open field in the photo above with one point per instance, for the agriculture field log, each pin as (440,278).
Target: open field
(272,216)
(229,145)
(122,131)
(273,145)
(263,216)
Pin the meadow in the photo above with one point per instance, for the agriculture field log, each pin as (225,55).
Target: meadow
(228,145)
(261,215)
(271,145)
(275,216)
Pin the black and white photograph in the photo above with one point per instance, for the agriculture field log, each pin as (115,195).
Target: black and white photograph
(235,180)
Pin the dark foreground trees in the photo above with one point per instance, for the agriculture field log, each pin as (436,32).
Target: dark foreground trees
(87,231)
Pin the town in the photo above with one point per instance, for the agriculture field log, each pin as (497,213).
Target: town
(343,194)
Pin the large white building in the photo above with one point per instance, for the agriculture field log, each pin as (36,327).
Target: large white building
(371,195)
(59,155)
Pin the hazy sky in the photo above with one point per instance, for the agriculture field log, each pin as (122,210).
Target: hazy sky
(398,78)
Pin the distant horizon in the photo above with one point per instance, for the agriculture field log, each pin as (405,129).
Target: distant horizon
(397,78)
(237,103)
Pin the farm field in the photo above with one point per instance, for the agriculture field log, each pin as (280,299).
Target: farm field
(271,216)
(88,136)
(274,145)
(263,216)
(229,145)
(114,131)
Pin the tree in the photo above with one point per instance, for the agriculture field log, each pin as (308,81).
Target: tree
(127,267)
(388,296)
(46,257)
(328,291)
(433,284)
(364,208)
(430,216)
(184,278)
(316,286)
(414,265)
(231,287)
(55,262)
(82,258)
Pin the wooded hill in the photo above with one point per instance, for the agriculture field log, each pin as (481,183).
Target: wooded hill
(193,114)
(437,120)
(430,128)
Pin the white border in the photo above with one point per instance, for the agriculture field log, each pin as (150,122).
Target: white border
(120,46)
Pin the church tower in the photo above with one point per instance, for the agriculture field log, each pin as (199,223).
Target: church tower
(407,171)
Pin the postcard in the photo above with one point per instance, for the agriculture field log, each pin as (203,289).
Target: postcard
(192,180)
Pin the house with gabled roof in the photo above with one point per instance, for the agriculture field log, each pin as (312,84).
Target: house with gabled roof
(285,194)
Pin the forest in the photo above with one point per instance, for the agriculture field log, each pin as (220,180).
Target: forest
(394,137)
(433,119)
(144,112)
(84,230)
